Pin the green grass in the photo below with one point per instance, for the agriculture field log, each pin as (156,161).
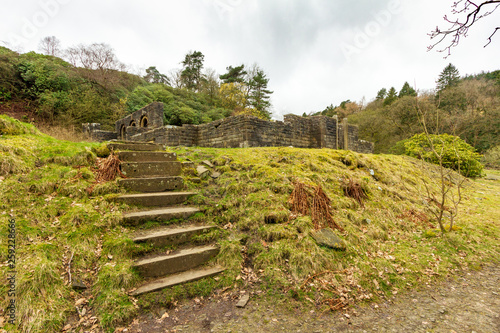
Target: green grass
(45,188)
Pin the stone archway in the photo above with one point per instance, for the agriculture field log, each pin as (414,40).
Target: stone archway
(123,132)
(133,123)
(144,121)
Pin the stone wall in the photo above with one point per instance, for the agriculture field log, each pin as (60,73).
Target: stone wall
(248,131)
(149,117)
(93,130)
(241,131)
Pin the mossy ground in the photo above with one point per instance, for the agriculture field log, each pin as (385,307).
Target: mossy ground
(392,242)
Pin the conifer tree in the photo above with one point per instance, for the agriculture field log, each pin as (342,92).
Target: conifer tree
(407,90)
(191,75)
(381,93)
(234,74)
(259,94)
(449,77)
(392,95)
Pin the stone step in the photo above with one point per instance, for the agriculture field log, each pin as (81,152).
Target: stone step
(160,199)
(136,146)
(148,169)
(175,279)
(163,214)
(180,261)
(152,184)
(146,156)
(170,236)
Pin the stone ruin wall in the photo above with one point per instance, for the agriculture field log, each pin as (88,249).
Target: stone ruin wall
(242,131)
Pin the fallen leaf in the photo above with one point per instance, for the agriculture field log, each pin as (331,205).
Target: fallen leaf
(80,301)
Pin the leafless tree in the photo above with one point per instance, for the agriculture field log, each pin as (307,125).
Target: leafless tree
(97,62)
(98,56)
(446,200)
(174,77)
(50,45)
(465,13)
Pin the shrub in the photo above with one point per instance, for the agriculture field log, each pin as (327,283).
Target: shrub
(492,158)
(455,153)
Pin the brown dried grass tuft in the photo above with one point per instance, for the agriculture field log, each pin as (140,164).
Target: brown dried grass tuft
(354,190)
(108,168)
(306,199)
(299,199)
(321,210)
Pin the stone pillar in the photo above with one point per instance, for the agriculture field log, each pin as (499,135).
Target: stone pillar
(345,128)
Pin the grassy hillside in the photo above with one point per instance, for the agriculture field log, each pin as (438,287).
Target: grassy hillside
(67,225)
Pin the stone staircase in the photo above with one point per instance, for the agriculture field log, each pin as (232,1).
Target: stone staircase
(155,174)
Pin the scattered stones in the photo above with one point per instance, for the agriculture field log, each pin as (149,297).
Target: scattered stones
(208,163)
(328,238)
(215,175)
(202,171)
(187,165)
(243,301)
(366,221)
(78,284)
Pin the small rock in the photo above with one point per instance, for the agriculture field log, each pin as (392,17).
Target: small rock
(328,238)
(208,163)
(202,171)
(195,180)
(366,221)
(243,301)
(215,175)
(188,165)
(78,284)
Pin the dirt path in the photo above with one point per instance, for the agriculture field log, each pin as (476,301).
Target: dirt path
(468,303)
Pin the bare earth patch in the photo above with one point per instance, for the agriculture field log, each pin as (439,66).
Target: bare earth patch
(467,303)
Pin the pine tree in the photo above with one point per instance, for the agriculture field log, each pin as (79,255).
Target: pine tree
(234,74)
(259,94)
(154,76)
(191,75)
(381,93)
(449,77)
(391,96)
(407,90)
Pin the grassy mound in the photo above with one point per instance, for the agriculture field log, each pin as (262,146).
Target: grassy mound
(392,240)
(67,229)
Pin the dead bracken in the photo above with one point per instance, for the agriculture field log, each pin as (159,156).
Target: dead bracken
(108,168)
(306,199)
(354,190)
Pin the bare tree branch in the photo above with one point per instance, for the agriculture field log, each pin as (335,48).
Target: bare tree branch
(466,13)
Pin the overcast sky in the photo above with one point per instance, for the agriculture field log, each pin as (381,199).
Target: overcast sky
(315,52)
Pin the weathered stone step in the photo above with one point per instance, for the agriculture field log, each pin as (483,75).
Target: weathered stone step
(163,214)
(148,169)
(146,156)
(179,278)
(136,146)
(152,184)
(160,199)
(170,236)
(173,263)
